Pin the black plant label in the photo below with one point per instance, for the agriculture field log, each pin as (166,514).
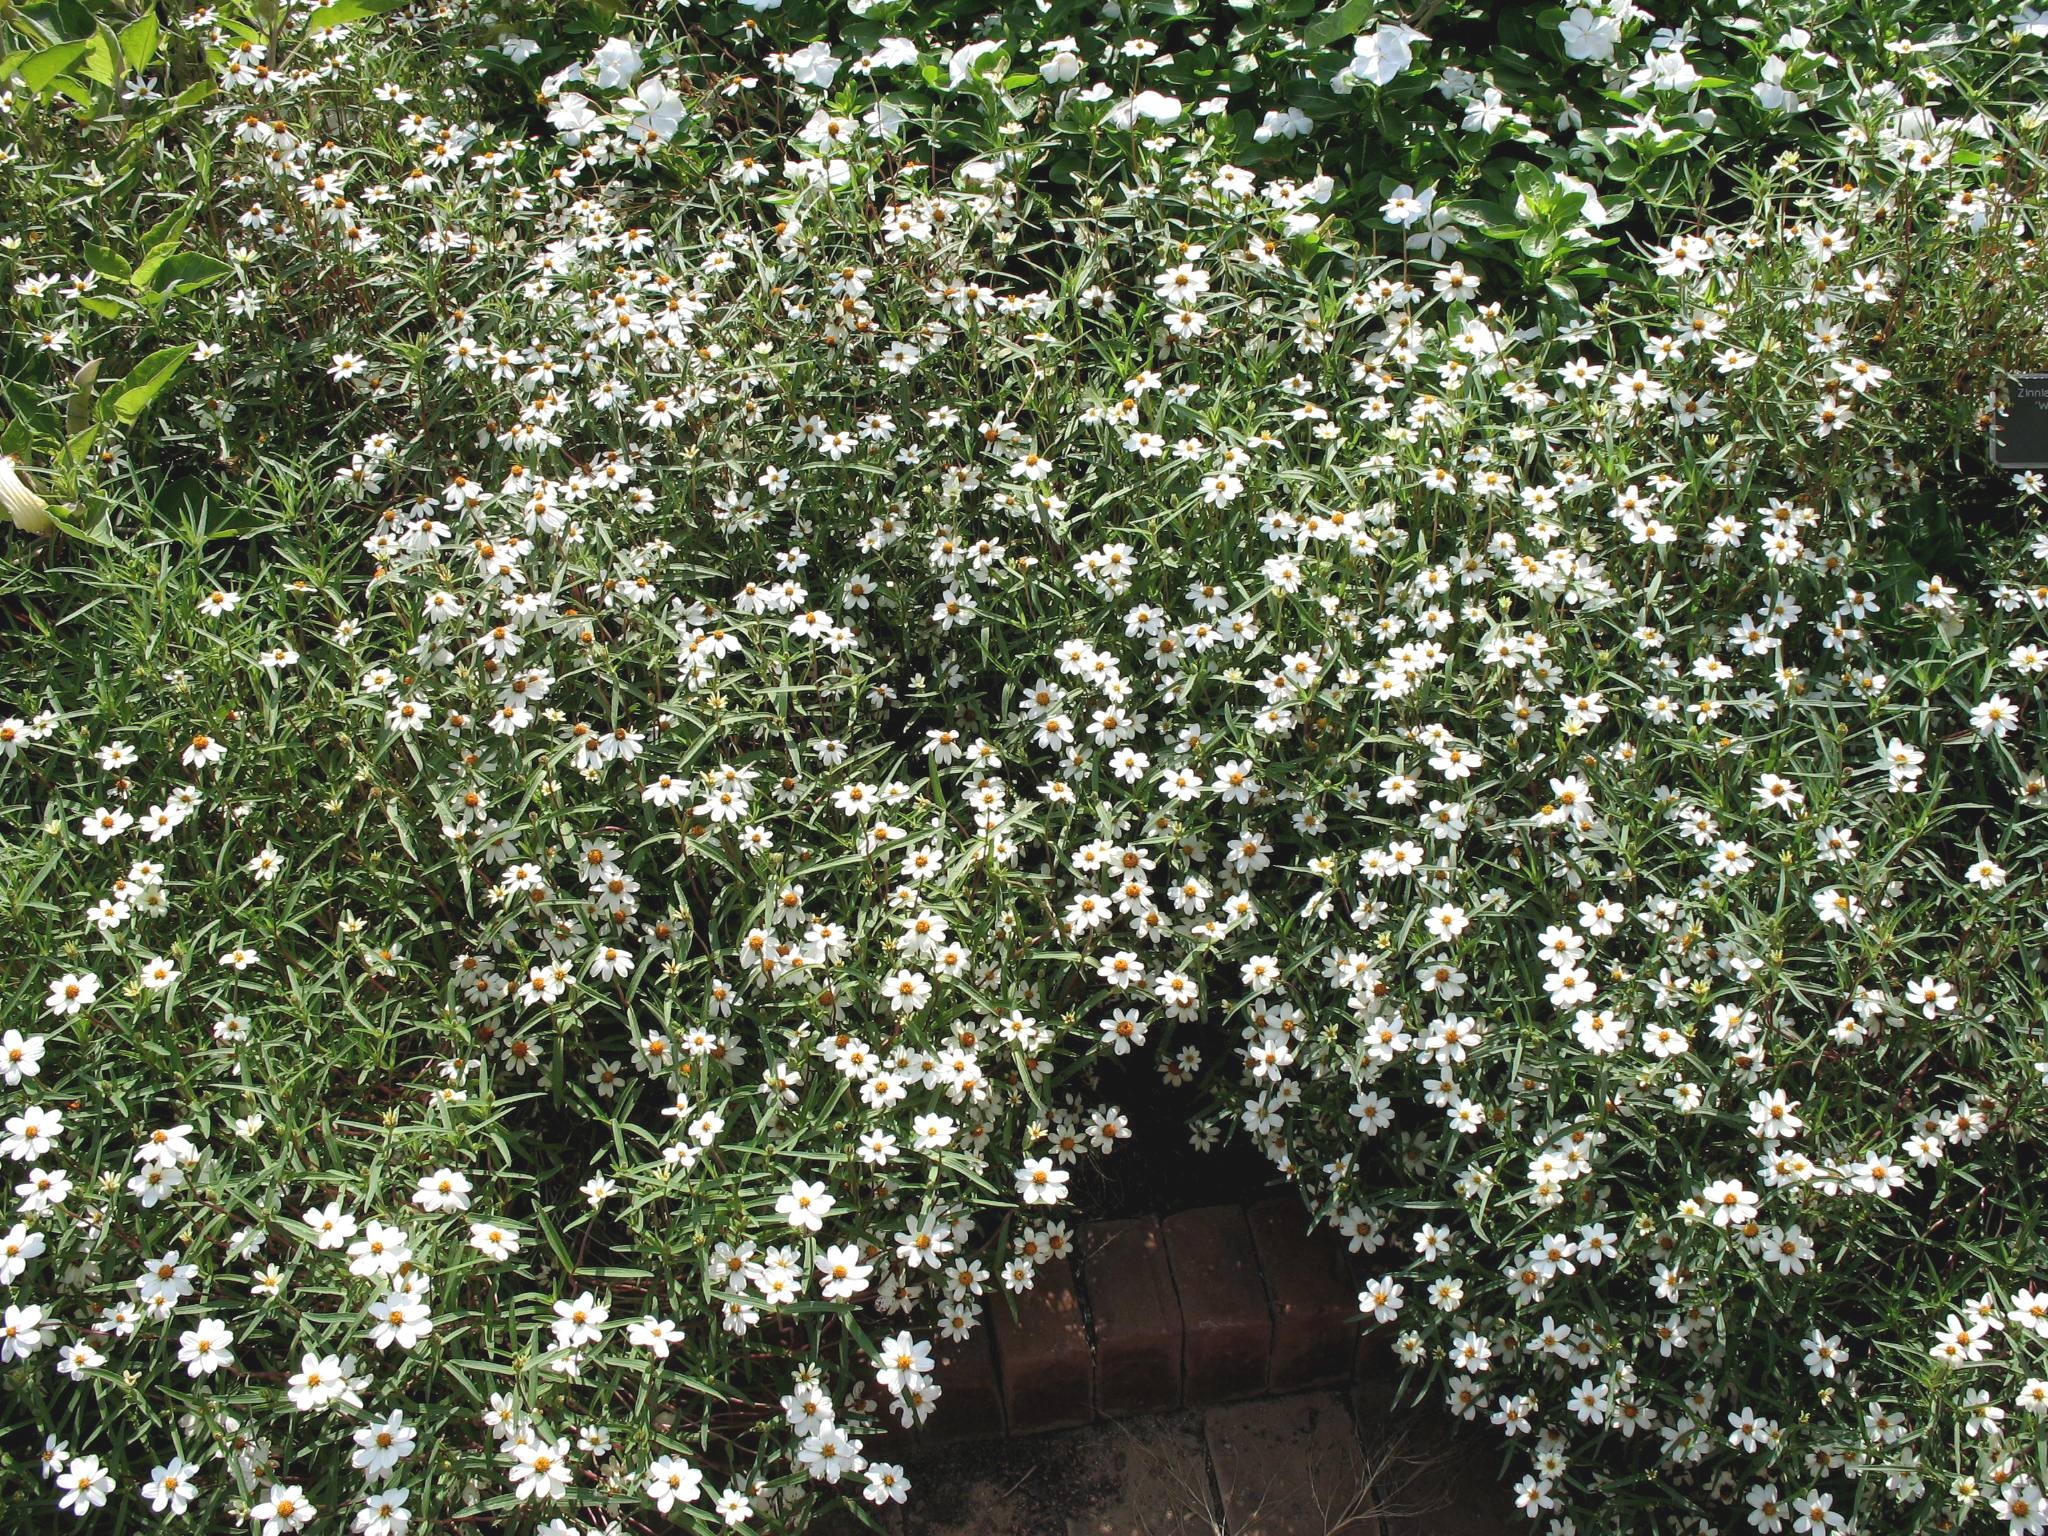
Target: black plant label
(2019,430)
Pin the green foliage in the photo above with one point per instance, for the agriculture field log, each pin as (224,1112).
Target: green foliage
(643,652)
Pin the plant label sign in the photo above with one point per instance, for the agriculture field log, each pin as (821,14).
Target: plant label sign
(2019,433)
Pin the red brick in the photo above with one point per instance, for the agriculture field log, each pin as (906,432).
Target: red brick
(1315,1309)
(1229,1331)
(1135,1315)
(1042,1358)
(970,1403)
(1291,1466)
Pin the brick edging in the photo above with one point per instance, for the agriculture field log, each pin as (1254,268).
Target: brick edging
(1156,1313)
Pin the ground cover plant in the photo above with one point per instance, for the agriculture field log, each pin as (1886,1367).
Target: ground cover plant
(637,644)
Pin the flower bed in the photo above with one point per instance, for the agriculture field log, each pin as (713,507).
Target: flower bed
(630,659)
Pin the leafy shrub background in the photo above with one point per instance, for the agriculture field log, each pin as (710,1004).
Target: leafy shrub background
(591,585)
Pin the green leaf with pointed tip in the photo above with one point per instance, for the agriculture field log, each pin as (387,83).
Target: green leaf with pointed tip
(139,40)
(160,251)
(1342,22)
(146,380)
(78,446)
(61,21)
(95,530)
(40,70)
(342,12)
(165,235)
(108,263)
(186,272)
(102,61)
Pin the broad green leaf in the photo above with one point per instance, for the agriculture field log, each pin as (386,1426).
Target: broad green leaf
(78,446)
(108,263)
(139,40)
(186,272)
(102,61)
(145,381)
(42,69)
(342,12)
(96,530)
(144,275)
(164,237)
(1342,22)
(61,21)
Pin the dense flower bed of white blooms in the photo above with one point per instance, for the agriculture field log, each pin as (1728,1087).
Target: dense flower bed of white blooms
(668,641)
